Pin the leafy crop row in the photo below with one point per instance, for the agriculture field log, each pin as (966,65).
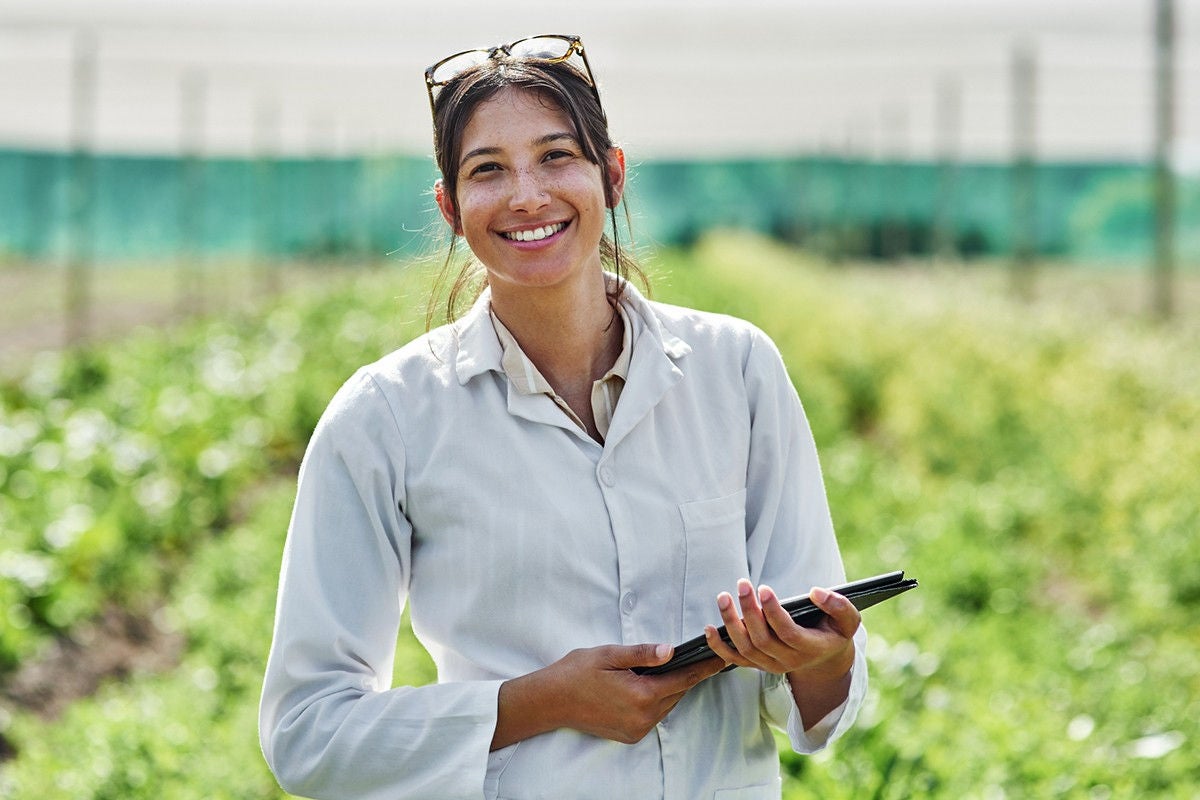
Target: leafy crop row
(115,463)
(1036,472)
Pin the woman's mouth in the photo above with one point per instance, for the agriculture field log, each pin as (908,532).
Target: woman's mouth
(534,234)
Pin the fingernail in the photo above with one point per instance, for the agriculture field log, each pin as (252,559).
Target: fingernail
(744,588)
(764,593)
(818,594)
(724,601)
(663,650)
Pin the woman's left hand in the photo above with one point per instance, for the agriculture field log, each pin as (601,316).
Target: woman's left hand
(764,635)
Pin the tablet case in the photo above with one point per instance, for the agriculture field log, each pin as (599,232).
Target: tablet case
(863,593)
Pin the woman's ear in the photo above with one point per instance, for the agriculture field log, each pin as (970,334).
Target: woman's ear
(446,206)
(615,164)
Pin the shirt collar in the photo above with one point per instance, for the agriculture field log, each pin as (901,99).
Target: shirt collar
(480,350)
(524,373)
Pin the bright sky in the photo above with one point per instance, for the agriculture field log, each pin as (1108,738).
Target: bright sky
(678,77)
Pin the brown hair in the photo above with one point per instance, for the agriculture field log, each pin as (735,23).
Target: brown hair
(558,84)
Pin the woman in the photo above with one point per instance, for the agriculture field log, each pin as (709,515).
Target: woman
(561,485)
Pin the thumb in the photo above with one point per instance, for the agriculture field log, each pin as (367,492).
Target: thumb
(639,655)
(843,616)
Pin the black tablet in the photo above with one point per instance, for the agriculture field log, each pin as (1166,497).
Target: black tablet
(864,594)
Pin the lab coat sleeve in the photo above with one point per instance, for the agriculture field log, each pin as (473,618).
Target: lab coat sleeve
(790,539)
(330,724)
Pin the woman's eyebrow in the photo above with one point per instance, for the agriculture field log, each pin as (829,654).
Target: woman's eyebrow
(541,141)
(480,151)
(553,137)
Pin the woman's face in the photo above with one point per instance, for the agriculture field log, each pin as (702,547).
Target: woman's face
(530,204)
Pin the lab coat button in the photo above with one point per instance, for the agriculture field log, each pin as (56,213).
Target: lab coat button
(606,476)
(628,602)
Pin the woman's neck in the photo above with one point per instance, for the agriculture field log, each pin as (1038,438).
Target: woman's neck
(571,333)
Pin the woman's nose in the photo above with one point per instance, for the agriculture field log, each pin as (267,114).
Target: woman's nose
(529,192)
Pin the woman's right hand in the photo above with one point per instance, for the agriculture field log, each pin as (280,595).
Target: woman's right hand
(593,690)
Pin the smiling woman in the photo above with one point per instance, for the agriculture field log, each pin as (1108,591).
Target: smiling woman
(529,203)
(560,484)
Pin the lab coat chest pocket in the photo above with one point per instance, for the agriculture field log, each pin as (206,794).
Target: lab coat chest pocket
(715,542)
(763,792)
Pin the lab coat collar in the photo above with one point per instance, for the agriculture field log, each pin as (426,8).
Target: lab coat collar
(479,349)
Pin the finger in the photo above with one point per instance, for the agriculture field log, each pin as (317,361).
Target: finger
(843,616)
(760,632)
(636,655)
(757,628)
(704,670)
(680,681)
(733,623)
(750,635)
(722,649)
(778,618)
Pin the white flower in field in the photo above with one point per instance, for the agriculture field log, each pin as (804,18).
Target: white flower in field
(994,792)
(357,327)
(903,654)
(157,493)
(1080,728)
(47,456)
(216,460)
(877,647)
(1156,745)
(251,433)
(892,549)
(85,430)
(223,369)
(10,441)
(938,698)
(73,523)
(21,429)
(32,570)
(174,405)
(1133,672)
(284,357)
(926,664)
(131,452)
(45,375)
(205,678)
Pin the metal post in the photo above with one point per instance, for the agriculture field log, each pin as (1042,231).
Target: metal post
(949,123)
(193,292)
(1164,177)
(1024,171)
(267,145)
(77,308)
(894,217)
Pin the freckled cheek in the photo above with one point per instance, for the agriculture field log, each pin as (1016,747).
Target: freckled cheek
(475,208)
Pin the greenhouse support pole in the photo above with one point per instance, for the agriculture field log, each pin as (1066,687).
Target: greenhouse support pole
(82,204)
(1024,171)
(1164,176)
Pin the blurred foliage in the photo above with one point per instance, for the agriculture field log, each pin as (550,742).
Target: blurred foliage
(1035,471)
(115,463)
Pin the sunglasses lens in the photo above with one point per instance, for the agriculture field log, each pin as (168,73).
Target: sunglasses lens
(550,48)
(453,67)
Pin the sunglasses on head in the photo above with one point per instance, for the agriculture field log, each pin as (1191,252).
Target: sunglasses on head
(552,48)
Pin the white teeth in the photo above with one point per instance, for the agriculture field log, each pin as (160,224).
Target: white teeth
(535,234)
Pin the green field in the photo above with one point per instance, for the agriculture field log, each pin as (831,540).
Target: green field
(1036,468)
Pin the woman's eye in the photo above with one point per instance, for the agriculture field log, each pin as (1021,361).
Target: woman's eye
(554,154)
(487,166)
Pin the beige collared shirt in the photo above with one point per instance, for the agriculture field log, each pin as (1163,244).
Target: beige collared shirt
(606,391)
